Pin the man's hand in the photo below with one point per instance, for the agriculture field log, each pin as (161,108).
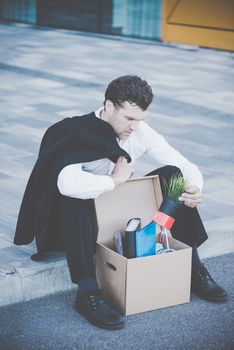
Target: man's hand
(122,171)
(192,197)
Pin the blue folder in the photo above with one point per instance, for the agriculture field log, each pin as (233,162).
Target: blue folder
(146,240)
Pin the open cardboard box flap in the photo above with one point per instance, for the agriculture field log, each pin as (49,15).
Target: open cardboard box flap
(140,197)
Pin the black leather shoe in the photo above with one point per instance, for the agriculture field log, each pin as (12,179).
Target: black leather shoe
(95,309)
(206,288)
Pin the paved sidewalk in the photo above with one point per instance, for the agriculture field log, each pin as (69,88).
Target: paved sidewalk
(47,74)
(51,323)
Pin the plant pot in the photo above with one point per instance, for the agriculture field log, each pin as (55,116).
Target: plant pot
(167,213)
(170,207)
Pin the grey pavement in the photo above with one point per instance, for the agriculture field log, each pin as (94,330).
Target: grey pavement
(47,74)
(52,323)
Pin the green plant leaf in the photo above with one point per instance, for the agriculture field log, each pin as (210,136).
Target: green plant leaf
(176,186)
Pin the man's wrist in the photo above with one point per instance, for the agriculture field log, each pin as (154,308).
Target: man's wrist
(114,180)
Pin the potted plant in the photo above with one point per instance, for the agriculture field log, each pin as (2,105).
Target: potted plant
(170,206)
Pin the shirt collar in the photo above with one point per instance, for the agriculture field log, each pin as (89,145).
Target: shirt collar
(98,112)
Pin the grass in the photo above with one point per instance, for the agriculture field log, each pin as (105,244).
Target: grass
(177,185)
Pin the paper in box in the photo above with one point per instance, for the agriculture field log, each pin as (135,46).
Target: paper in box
(145,283)
(145,240)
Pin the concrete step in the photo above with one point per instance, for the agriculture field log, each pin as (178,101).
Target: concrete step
(22,279)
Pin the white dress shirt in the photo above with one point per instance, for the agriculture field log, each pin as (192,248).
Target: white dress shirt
(89,180)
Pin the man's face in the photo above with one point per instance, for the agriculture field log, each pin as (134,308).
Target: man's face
(124,120)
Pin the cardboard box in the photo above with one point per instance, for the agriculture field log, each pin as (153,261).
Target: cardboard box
(145,283)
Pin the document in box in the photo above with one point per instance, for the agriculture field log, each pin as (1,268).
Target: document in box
(118,243)
(146,240)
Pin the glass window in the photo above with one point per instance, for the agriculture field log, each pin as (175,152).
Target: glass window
(18,10)
(133,18)
(137,18)
(70,14)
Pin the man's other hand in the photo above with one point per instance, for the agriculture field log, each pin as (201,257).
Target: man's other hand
(192,197)
(122,171)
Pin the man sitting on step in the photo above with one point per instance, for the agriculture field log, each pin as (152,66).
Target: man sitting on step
(82,157)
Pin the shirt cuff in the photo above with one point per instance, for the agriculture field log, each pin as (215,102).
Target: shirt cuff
(107,183)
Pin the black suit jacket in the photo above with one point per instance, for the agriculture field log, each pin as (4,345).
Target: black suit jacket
(72,140)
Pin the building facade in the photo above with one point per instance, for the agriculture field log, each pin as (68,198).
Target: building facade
(208,23)
(132,18)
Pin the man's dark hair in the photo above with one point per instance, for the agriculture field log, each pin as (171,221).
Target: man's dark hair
(129,88)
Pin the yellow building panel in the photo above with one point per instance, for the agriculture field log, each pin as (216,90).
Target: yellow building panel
(202,22)
(195,36)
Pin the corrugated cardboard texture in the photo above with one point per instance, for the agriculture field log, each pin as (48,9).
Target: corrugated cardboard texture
(158,281)
(111,275)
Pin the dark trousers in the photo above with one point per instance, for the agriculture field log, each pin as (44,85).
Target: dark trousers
(78,228)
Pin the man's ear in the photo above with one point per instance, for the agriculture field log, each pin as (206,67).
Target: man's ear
(109,106)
